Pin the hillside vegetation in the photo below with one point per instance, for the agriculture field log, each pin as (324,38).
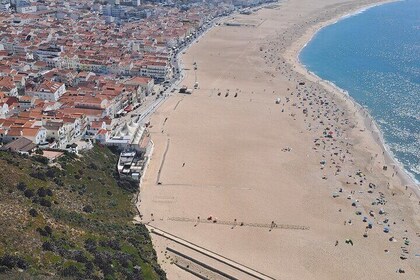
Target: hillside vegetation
(71,219)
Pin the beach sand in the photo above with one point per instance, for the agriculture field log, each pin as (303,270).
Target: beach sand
(230,152)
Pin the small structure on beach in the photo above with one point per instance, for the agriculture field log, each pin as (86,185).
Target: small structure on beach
(131,163)
(183,89)
(232,24)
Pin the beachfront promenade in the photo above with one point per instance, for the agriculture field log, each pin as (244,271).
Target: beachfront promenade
(241,269)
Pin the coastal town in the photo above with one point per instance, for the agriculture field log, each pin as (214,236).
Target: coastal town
(189,139)
(74,73)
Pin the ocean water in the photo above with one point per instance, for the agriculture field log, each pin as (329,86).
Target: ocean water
(374,55)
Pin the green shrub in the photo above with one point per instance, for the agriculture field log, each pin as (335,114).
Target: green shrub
(48,246)
(88,209)
(52,172)
(71,271)
(90,245)
(29,193)
(11,261)
(21,186)
(40,159)
(128,184)
(44,202)
(41,192)
(33,212)
(38,175)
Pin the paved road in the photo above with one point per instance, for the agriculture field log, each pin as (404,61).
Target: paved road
(152,103)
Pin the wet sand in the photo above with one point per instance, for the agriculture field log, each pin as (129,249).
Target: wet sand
(229,152)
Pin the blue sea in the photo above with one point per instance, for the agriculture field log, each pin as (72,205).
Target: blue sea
(375,56)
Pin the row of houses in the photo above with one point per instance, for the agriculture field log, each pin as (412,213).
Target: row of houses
(54,133)
(54,115)
(67,72)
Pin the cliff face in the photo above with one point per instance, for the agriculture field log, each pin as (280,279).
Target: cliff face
(72,218)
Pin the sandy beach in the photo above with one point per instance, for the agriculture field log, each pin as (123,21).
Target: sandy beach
(295,190)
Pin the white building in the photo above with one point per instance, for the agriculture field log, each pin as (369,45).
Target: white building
(50,91)
(4,110)
(156,70)
(36,134)
(4,6)
(26,9)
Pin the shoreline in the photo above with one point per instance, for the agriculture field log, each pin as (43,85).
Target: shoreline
(369,122)
(234,163)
